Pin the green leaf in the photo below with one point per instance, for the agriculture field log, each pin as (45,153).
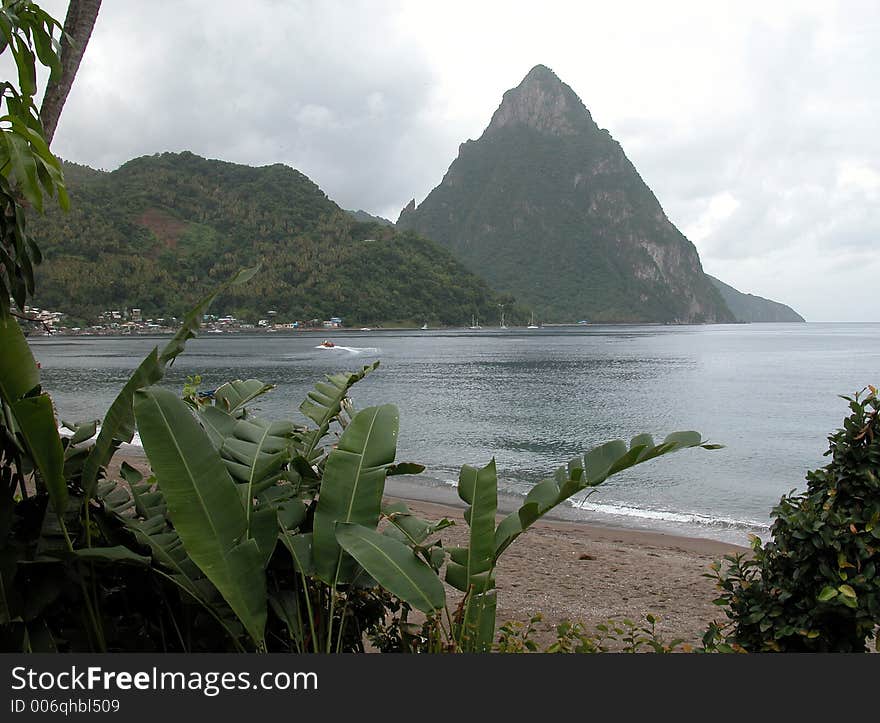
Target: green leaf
(26,62)
(409,529)
(204,504)
(217,423)
(256,451)
(82,432)
(45,52)
(36,420)
(300,547)
(18,371)
(477,629)
(119,423)
(478,488)
(828,593)
(232,396)
(171,560)
(112,555)
(324,404)
(351,490)
(394,567)
(292,513)
(24,168)
(130,474)
(595,467)
(847,591)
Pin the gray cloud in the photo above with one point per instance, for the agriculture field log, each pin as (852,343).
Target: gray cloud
(334,93)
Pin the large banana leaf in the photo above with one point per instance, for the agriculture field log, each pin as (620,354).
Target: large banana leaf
(470,567)
(476,629)
(18,371)
(232,396)
(119,423)
(218,424)
(324,404)
(151,529)
(255,453)
(36,422)
(592,469)
(407,528)
(204,504)
(394,566)
(33,416)
(351,490)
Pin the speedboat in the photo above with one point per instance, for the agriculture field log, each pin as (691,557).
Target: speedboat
(327,344)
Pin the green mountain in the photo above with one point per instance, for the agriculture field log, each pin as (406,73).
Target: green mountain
(361,215)
(748,307)
(546,206)
(161,230)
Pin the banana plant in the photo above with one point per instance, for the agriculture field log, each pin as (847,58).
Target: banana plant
(323,405)
(28,416)
(205,506)
(352,487)
(138,508)
(471,569)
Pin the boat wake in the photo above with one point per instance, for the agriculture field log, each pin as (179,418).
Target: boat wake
(350,349)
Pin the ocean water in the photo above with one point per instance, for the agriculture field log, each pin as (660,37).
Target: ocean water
(533,399)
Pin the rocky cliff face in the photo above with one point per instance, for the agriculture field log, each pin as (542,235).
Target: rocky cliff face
(546,206)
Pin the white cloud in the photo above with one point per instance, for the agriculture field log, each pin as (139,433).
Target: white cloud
(859,178)
(719,208)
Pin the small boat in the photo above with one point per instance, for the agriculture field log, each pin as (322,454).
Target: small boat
(425,326)
(474,324)
(327,344)
(532,324)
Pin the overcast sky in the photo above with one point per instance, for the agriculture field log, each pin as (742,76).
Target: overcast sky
(756,124)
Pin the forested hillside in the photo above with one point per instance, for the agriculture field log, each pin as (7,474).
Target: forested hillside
(162,229)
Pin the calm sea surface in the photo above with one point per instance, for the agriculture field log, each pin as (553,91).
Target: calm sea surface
(534,399)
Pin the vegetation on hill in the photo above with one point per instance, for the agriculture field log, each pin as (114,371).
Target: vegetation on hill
(159,231)
(751,308)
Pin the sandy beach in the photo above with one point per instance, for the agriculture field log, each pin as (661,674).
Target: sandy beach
(578,571)
(588,573)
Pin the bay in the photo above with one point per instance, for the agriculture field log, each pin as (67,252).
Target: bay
(532,399)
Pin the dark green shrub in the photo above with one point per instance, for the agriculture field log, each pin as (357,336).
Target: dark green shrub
(813,587)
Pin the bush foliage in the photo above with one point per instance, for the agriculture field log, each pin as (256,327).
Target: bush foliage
(814,587)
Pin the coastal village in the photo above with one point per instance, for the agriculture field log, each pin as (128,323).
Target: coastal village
(114,322)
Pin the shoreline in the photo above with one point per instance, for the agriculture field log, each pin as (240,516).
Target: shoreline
(578,570)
